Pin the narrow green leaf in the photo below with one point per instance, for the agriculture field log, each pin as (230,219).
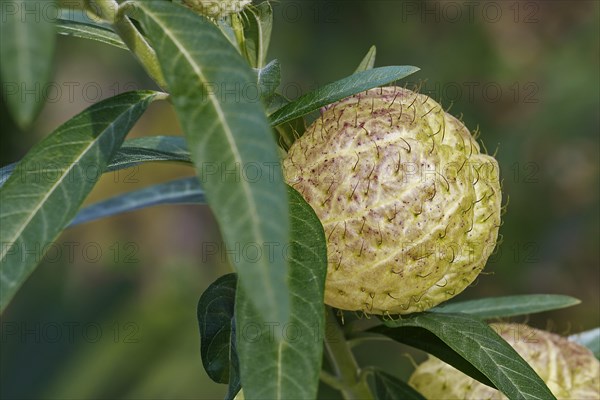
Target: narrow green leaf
(258,25)
(217,332)
(508,306)
(368,62)
(589,339)
(180,191)
(150,149)
(477,343)
(26,53)
(230,142)
(388,387)
(91,32)
(422,339)
(134,152)
(290,354)
(330,93)
(83,16)
(47,187)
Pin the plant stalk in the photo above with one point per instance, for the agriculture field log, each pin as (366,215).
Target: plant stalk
(353,384)
(131,36)
(141,48)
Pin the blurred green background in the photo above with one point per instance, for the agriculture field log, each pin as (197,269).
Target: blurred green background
(113,314)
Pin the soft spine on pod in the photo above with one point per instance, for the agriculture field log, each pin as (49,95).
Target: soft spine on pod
(410,207)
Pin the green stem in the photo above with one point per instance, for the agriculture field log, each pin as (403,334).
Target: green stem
(353,383)
(238,30)
(140,47)
(332,381)
(362,337)
(135,41)
(108,9)
(91,9)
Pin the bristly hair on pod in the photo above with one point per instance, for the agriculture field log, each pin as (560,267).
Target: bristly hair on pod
(418,202)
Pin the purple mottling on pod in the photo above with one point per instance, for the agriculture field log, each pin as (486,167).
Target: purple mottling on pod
(410,207)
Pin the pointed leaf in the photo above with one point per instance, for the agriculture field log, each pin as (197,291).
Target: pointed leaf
(289,355)
(589,339)
(230,141)
(422,339)
(151,148)
(388,387)
(26,52)
(180,191)
(83,16)
(258,24)
(330,93)
(508,306)
(477,343)
(134,152)
(368,62)
(47,187)
(217,328)
(91,32)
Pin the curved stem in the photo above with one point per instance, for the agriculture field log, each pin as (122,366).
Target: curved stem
(131,36)
(331,380)
(87,6)
(353,385)
(106,9)
(363,337)
(140,47)
(238,30)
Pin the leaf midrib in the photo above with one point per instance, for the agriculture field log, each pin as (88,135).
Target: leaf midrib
(524,305)
(53,188)
(228,133)
(486,350)
(72,30)
(42,201)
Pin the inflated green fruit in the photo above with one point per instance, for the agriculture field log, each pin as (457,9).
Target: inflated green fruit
(410,206)
(570,370)
(217,9)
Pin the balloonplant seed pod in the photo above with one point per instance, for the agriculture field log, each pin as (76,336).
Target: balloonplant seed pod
(570,370)
(217,9)
(410,206)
